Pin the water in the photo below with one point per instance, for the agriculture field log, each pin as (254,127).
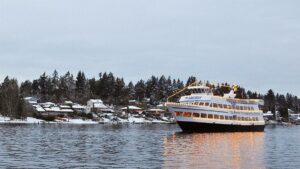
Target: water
(145,146)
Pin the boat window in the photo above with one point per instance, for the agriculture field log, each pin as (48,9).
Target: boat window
(237,107)
(196,115)
(187,114)
(206,104)
(243,118)
(231,118)
(253,119)
(256,118)
(230,107)
(210,116)
(214,105)
(221,117)
(178,113)
(239,118)
(226,117)
(203,115)
(247,118)
(216,116)
(252,108)
(220,106)
(201,103)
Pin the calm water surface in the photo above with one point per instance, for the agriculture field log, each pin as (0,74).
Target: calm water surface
(145,146)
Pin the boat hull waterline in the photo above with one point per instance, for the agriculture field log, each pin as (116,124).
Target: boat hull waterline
(213,127)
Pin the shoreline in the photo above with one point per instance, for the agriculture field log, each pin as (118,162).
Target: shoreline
(31,120)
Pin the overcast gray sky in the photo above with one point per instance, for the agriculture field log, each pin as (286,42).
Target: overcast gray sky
(254,43)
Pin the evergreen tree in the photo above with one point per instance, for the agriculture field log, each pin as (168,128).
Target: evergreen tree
(131,91)
(119,92)
(282,106)
(81,86)
(26,88)
(93,87)
(42,82)
(269,102)
(140,90)
(10,98)
(191,80)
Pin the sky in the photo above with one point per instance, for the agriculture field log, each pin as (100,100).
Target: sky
(253,43)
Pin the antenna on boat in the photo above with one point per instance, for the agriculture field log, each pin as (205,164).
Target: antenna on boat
(182,90)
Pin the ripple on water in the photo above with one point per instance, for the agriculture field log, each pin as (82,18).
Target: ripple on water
(144,146)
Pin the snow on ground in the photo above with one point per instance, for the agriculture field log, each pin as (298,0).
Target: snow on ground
(111,119)
(28,120)
(80,121)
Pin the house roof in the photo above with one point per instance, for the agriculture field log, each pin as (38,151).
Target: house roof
(78,106)
(96,101)
(131,108)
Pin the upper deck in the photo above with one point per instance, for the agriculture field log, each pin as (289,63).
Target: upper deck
(205,94)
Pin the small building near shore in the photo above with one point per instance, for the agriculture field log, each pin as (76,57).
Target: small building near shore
(159,112)
(132,109)
(31,100)
(78,108)
(97,106)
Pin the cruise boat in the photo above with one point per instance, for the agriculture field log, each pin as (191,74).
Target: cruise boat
(202,111)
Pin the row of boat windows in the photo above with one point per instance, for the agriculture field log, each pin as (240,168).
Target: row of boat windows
(216,116)
(224,106)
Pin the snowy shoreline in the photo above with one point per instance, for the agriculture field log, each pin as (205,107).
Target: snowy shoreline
(31,120)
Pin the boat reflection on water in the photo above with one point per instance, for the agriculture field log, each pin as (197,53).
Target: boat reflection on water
(214,150)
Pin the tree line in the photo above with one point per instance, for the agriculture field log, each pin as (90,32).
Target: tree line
(113,90)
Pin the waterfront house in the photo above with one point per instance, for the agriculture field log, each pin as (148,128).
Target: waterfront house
(31,100)
(79,108)
(97,106)
(132,109)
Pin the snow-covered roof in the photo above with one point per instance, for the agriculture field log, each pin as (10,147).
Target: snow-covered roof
(53,109)
(131,108)
(57,109)
(38,108)
(68,102)
(78,106)
(96,101)
(64,107)
(32,102)
(28,98)
(99,106)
